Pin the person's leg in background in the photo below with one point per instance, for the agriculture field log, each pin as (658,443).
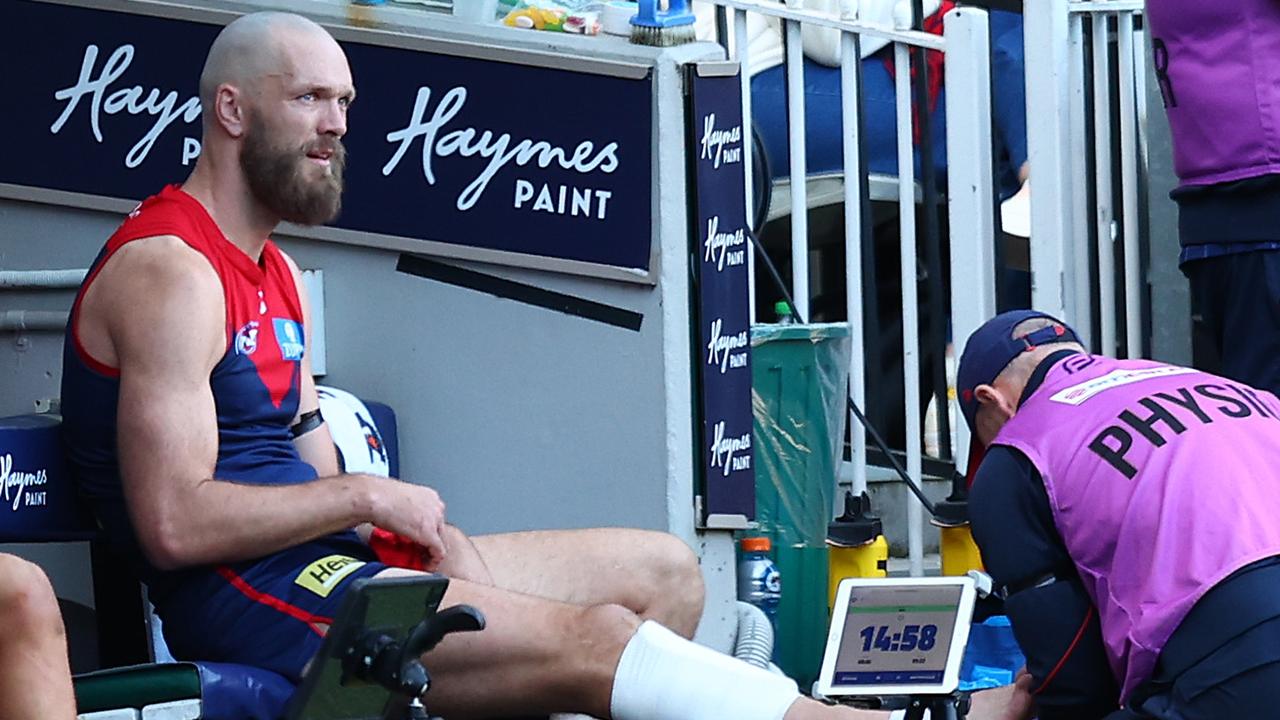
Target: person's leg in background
(1009,100)
(1235,303)
(1205,278)
(35,677)
(1009,123)
(824,116)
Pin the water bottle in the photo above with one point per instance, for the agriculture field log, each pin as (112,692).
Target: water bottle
(783,310)
(759,582)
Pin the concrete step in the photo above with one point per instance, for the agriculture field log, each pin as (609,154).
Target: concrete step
(901,567)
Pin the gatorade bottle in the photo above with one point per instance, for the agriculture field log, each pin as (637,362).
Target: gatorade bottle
(759,582)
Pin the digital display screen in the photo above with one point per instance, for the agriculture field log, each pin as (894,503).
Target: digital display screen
(897,635)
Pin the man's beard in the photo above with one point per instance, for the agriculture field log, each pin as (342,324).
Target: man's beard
(277,179)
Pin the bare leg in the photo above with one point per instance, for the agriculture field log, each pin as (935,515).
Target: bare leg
(36,681)
(653,574)
(463,560)
(549,656)
(552,657)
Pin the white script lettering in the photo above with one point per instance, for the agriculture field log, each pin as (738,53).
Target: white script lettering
(498,148)
(721,346)
(717,244)
(15,483)
(130,100)
(714,141)
(722,449)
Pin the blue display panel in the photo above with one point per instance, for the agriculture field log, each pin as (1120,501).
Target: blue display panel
(467,152)
(38,499)
(720,249)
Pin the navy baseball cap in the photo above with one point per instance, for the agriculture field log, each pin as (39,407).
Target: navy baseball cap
(992,347)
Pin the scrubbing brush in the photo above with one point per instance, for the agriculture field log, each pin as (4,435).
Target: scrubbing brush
(654,27)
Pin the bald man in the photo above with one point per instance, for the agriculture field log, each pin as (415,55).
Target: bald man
(35,680)
(193,424)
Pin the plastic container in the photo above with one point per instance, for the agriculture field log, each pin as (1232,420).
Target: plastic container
(759,582)
(799,378)
(615,17)
(959,551)
(992,657)
(479,11)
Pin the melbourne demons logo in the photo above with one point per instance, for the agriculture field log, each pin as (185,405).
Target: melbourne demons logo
(247,338)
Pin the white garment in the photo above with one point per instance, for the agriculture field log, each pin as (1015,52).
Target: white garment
(662,676)
(821,44)
(354,432)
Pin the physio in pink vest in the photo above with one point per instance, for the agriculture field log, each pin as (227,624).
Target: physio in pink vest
(1217,67)
(1127,512)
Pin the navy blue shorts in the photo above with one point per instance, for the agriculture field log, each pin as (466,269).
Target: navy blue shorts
(270,613)
(1235,306)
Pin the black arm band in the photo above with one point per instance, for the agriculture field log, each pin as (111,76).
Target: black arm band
(308,422)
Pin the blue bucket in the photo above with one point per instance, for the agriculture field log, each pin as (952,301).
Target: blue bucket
(992,657)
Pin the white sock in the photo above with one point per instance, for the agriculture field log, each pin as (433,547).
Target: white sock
(662,676)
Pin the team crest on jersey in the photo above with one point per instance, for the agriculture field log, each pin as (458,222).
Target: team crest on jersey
(247,338)
(289,337)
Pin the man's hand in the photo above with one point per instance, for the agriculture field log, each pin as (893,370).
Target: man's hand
(1022,705)
(414,511)
(1011,702)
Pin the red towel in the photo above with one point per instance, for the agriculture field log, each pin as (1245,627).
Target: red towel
(398,550)
(934,60)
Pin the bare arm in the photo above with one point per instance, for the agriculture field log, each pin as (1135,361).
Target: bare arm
(316,447)
(166,334)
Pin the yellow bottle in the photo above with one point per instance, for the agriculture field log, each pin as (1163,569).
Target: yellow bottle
(855,545)
(959,551)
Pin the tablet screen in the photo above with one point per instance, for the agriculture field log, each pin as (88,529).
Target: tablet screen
(897,635)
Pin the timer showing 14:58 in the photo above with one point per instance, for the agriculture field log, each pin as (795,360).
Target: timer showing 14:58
(910,638)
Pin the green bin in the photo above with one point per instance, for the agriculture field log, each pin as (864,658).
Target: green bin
(799,384)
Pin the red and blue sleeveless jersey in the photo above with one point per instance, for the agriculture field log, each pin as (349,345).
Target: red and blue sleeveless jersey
(255,384)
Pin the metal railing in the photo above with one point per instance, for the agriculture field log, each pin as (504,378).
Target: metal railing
(1086,71)
(966,43)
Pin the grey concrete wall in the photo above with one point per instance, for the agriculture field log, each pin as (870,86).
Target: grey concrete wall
(522,417)
(40,237)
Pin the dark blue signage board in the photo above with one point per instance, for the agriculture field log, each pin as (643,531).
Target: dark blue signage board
(720,249)
(38,500)
(471,153)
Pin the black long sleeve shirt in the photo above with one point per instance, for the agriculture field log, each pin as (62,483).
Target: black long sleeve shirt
(1053,618)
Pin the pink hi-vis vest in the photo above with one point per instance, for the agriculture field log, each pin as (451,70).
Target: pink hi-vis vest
(1163,480)
(1217,64)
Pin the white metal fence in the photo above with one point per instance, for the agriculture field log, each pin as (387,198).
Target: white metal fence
(1086,71)
(966,42)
